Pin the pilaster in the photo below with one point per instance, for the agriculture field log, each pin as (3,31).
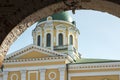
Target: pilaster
(23,75)
(5,75)
(62,73)
(42,74)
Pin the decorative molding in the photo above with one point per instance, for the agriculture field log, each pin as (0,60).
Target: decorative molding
(42,70)
(29,48)
(93,66)
(61,21)
(49,18)
(48,24)
(15,76)
(45,35)
(36,60)
(61,27)
(37,31)
(23,71)
(29,72)
(62,69)
(34,67)
(52,73)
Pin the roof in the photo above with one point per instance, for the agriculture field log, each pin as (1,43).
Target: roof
(93,60)
(59,16)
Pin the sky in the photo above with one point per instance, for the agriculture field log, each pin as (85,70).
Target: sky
(99,35)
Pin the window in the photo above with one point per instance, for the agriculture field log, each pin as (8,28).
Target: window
(71,40)
(38,40)
(60,40)
(48,39)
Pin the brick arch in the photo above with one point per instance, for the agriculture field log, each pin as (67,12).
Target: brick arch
(23,18)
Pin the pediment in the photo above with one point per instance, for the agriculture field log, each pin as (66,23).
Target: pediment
(32,51)
(33,54)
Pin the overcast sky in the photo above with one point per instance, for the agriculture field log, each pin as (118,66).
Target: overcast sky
(99,35)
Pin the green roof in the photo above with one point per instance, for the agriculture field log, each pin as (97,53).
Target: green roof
(59,16)
(91,60)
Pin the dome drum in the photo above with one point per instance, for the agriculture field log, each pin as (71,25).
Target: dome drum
(56,35)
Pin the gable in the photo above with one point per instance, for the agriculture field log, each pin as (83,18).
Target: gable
(33,54)
(32,51)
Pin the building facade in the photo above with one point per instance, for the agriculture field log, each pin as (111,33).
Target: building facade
(54,55)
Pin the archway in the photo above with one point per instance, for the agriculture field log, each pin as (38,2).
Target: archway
(28,19)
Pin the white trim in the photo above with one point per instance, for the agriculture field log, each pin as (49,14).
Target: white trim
(37,30)
(29,72)
(36,60)
(93,74)
(40,39)
(34,67)
(13,76)
(62,72)
(61,21)
(45,35)
(42,74)
(5,75)
(61,27)
(94,66)
(23,74)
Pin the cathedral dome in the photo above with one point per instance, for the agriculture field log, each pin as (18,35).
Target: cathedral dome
(64,16)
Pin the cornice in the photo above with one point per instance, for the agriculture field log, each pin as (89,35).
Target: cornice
(36,60)
(93,66)
(61,21)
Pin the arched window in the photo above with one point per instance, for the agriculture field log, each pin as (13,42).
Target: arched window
(71,40)
(60,40)
(38,40)
(48,39)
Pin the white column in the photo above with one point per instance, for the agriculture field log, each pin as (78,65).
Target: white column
(5,75)
(62,73)
(23,75)
(42,74)
(52,38)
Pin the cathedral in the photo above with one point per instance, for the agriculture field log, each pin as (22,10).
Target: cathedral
(54,55)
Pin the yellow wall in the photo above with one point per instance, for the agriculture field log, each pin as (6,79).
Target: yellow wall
(14,77)
(106,77)
(56,71)
(33,54)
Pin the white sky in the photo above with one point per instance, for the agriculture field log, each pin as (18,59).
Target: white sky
(99,35)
